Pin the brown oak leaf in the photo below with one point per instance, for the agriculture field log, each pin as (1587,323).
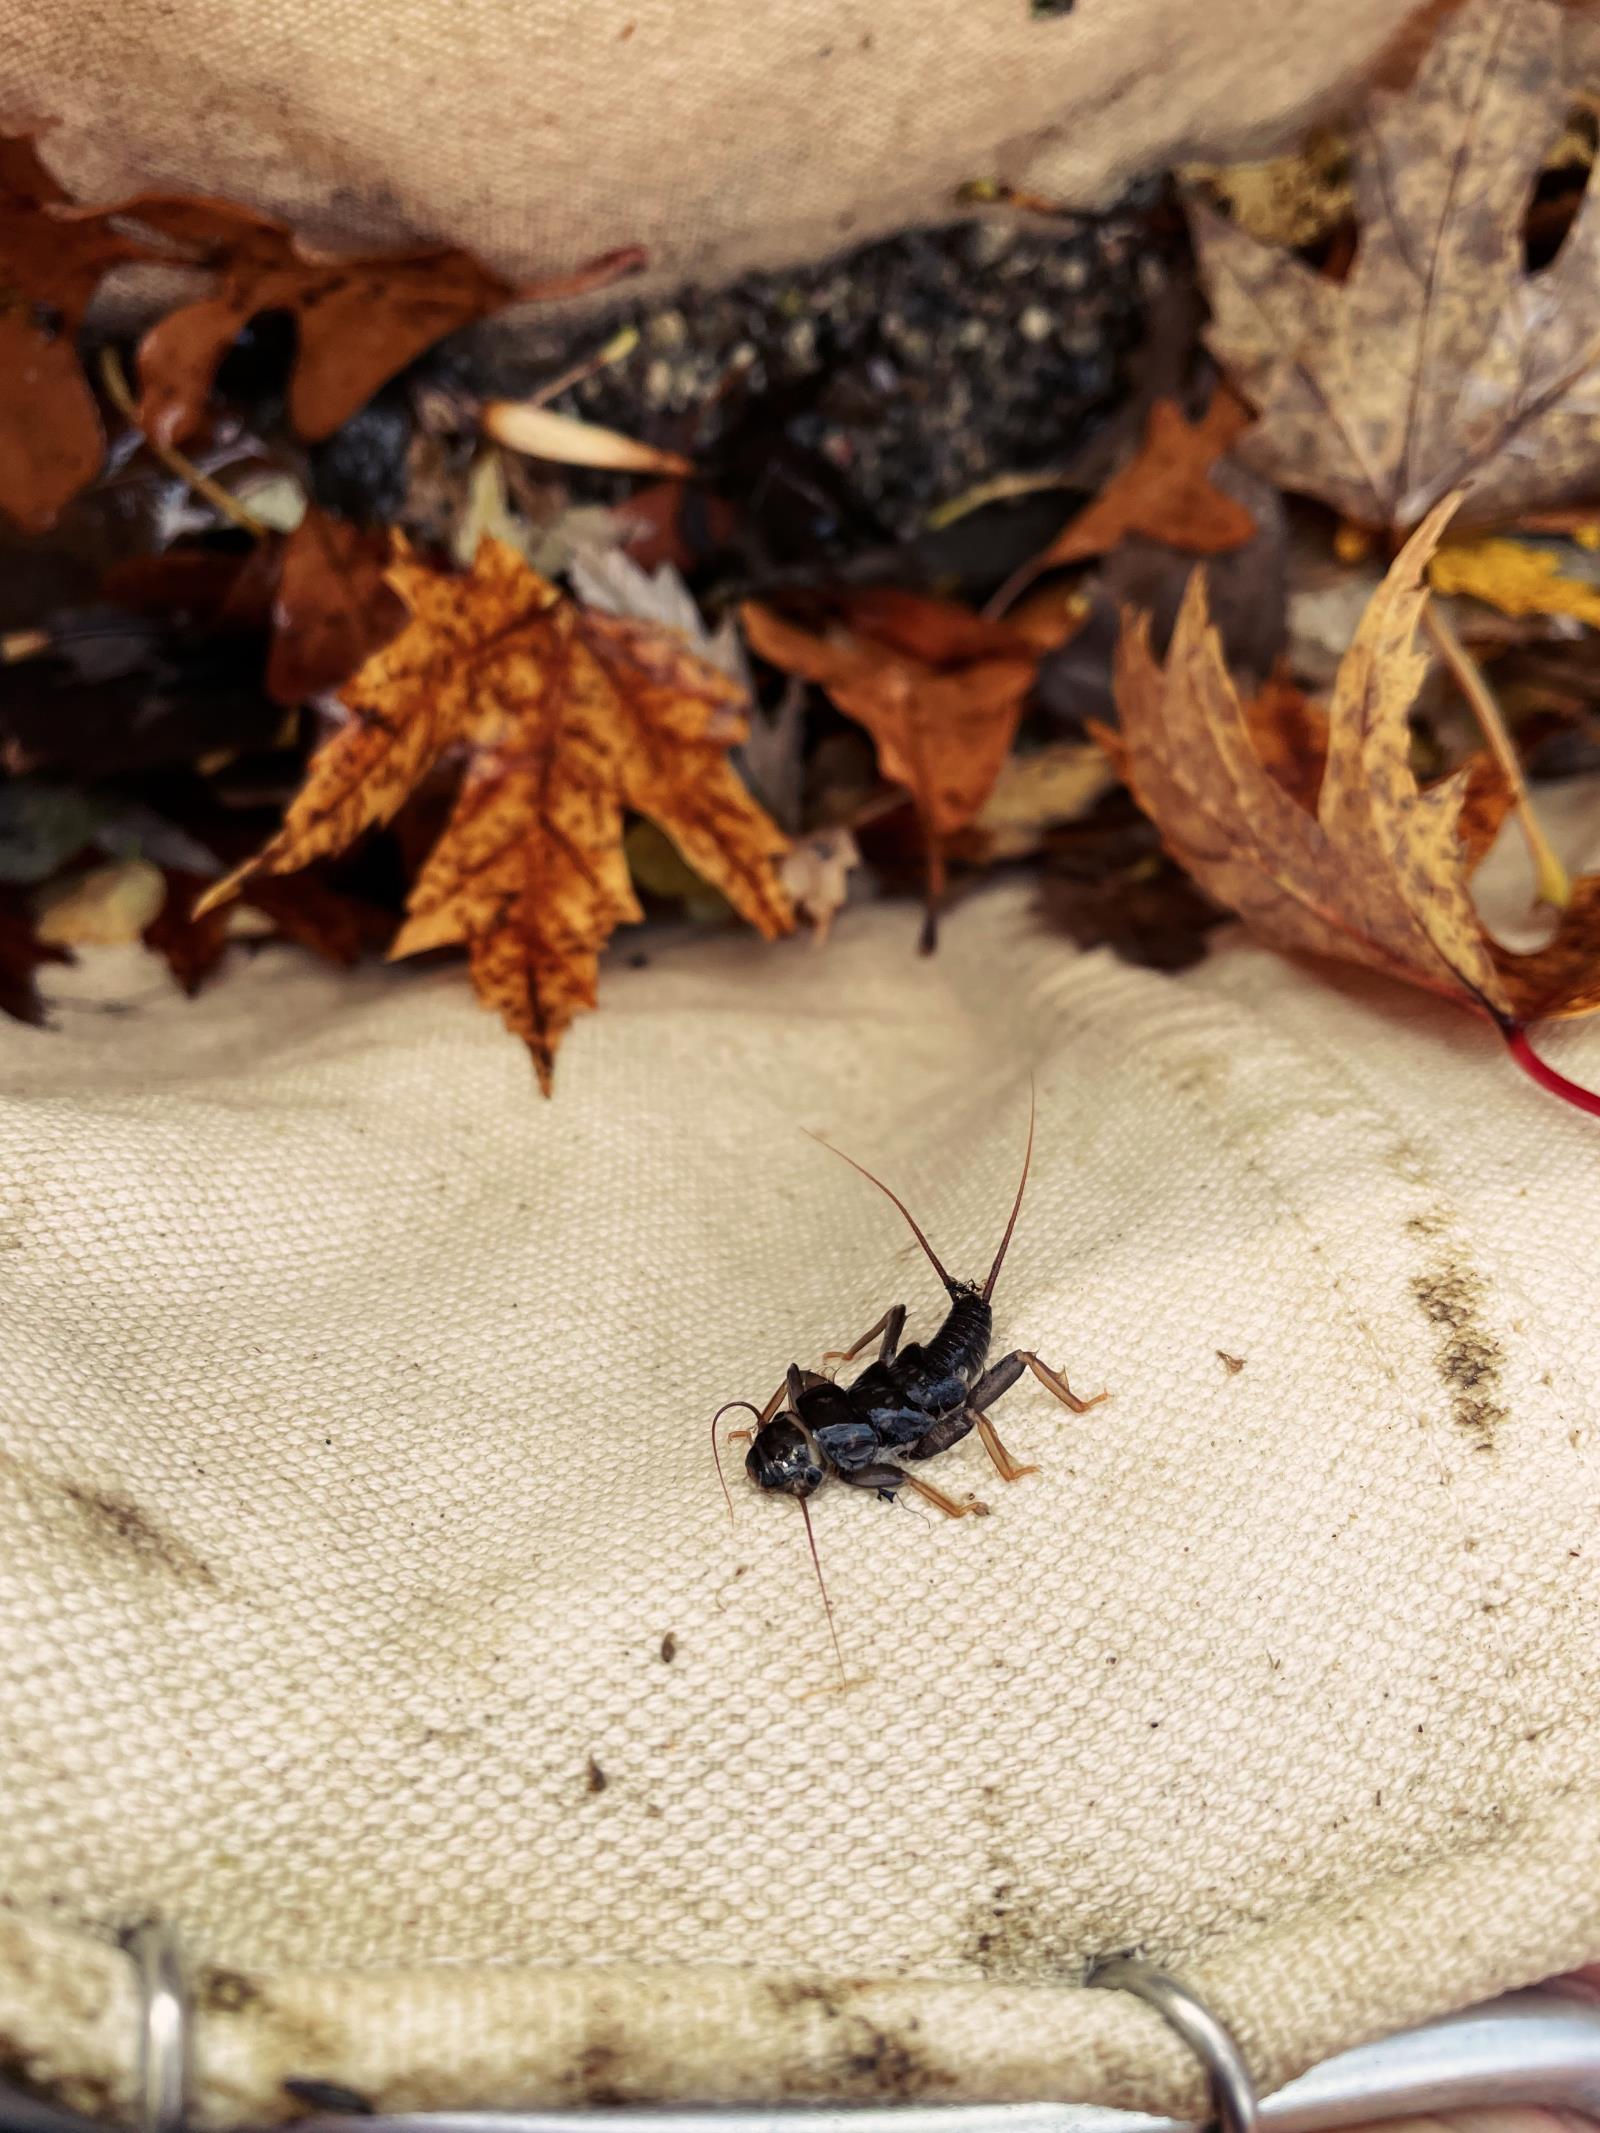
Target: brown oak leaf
(193,942)
(359,320)
(939,689)
(566,718)
(51,441)
(333,606)
(320,593)
(1378,873)
(1439,361)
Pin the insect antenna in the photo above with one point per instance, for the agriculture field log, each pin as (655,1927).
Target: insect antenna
(716,1450)
(916,1229)
(827,1604)
(1016,1205)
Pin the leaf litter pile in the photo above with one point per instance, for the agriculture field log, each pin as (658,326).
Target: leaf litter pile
(1234,554)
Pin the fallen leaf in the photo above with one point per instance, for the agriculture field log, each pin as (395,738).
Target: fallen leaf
(487,512)
(1164,492)
(298,908)
(816,874)
(51,441)
(1108,884)
(1439,361)
(1033,794)
(660,870)
(199,589)
(1513,576)
(22,954)
(939,689)
(274,499)
(1291,199)
(191,946)
(358,321)
(1562,979)
(333,608)
(565,718)
(108,907)
(1052,615)
(526,426)
(1289,733)
(611,579)
(1379,873)
(771,759)
(667,522)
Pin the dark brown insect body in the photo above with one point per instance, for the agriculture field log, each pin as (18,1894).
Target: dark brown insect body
(913,1401)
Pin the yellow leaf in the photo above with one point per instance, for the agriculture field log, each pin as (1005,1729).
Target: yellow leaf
(1516,578)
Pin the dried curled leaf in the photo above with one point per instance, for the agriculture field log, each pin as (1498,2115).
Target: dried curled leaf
(107,907)
(1291,199)
(51,263)
(939,689)
(1378,873)
(333,606)
(528,426)
(566,719)
(358,320)
(193,941)
(1164,492)
(1440,361)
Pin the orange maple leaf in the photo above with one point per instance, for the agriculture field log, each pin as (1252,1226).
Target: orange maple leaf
(566,718)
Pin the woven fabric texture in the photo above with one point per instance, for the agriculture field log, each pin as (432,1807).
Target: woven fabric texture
(540,132)
(371,1610)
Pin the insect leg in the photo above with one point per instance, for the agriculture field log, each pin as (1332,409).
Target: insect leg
(743,1436)
(891,1326)
(942,1435)
(1004,1374)
(1005,1466)
(887,1479)
(998,1378)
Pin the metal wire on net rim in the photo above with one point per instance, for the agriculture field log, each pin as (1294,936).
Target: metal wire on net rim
(1534,2047)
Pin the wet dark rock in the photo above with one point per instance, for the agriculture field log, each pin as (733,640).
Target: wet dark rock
(913,368)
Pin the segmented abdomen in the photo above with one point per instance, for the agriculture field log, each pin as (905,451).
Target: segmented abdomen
(960,1346)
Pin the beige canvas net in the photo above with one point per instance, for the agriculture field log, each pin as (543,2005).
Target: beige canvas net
(720,135)
(354,1404)
(355,1468)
